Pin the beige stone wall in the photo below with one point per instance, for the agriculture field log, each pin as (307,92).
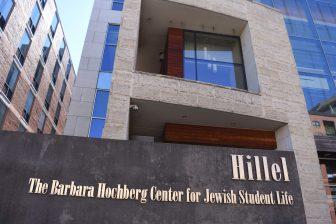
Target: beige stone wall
(280,97)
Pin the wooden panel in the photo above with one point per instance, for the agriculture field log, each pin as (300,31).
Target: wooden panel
(241,138)
(175,52)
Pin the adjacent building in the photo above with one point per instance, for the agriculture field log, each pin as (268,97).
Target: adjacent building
(36,72)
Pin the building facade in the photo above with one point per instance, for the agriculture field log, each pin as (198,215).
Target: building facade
(36,72)
(312,32)
(196,72)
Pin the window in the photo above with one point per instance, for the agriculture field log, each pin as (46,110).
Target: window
(53,131)
(104,81)
(309,55)
(48,97)
(292,8)
(316,88)
(68,70)
(41,122)
(43,3)
(38,76)
(11,80)
(316,124)
(61,50)
(3,109)
(55,73)
(330,164)
(54,25)
(329,128)
(330,53)
(110,48)
(22,50)
(28,106)
(6,7)
(118,5)
(64,85)
(214,59)
(266,2)
(97,127)
(34,19)
(100,107)
(46,49)
(57,114)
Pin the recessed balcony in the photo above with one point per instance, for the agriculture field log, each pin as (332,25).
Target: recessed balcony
(195,44)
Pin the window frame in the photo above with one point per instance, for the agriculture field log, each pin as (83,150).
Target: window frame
(30,25)
(195,59)
(6,85)
(53,32)
(44,55)
(18,54)
(26,114)
(47,101)
(119,2)
(37,79)
(9,15)
(57,114)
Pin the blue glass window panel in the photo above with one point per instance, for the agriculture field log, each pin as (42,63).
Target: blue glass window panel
(100,107)
(112,34)
(216,72)
(12,76)
(5,8)
(323,12)
(266,2)
(108,58)
(218,48)
(23,48)
(36,15)
(316,89)
(190,69)
(330,51)
(309,56)
(97,127)
(118,6)
(326,33)
(104,80)
(54,23)
(300,28)
(292,8)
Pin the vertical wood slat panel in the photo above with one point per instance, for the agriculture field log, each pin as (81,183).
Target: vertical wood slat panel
(175,52)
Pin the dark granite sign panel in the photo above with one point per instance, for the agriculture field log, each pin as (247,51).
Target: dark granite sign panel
(65,180)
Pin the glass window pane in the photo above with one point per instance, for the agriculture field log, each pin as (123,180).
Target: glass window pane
(41,121)
(266,2)
(117,6)
(309,56)
(323,12)
(316,89)
(46,49)
(5,8)
(330,51)
(292,8)
(35,15)
(112,34)
(224,74)
(104,80)
(326,33)
(2,112)
(189,45)
(23,48)
(190,69)
(108,58)
(100,107)
(97,127)
(218,48)
(12,76)
(300,28)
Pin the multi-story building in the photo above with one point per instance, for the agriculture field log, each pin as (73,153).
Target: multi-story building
(214,72)
(36,72)
(311,26)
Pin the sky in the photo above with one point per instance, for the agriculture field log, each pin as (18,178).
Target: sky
(75,15)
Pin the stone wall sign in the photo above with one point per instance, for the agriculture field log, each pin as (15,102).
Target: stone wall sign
(54,179)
